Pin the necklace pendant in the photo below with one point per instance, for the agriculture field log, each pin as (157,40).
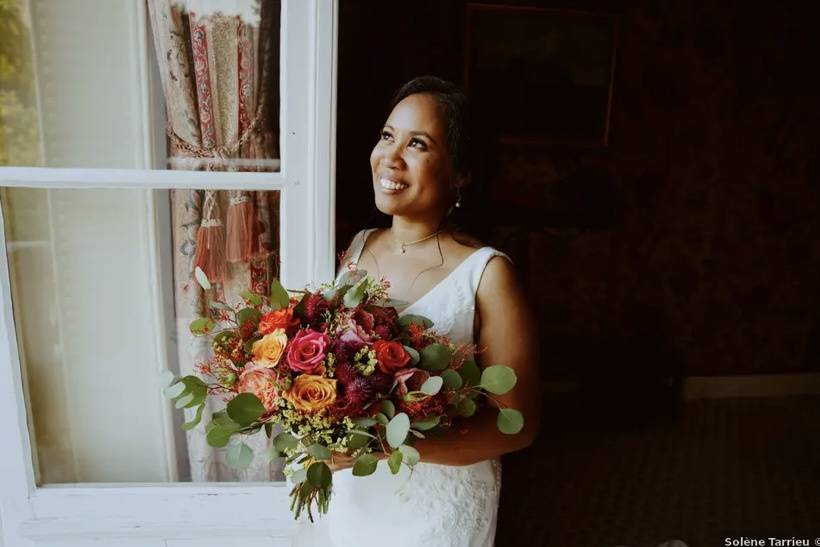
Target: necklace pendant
(403,250)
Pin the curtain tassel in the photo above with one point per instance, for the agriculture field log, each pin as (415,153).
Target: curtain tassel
(210,242)
(242,229)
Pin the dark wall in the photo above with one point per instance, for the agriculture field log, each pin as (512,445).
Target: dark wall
(689,244)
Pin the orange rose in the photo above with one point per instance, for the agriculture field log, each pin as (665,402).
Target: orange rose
(279,319)
(391,356)
(268,350)
(310,393)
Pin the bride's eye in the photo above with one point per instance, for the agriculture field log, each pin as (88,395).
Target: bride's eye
(385,135)
(418,143)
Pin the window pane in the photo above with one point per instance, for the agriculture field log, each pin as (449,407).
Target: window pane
(103,293)
(83,84)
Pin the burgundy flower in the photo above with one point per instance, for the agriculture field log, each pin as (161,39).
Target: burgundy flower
(346,373)
(314,305)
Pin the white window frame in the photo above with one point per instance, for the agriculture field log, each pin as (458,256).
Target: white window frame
(34,515)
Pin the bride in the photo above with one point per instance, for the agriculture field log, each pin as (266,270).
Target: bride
(419,166)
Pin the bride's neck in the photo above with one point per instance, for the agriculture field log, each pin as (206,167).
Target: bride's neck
(405,230)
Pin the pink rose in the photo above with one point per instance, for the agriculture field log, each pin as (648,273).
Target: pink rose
(261,382)
(306,351)
(410,379)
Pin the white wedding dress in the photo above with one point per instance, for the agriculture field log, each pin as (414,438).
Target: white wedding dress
(440,505)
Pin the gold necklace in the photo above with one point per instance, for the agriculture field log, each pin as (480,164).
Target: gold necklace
(425,238)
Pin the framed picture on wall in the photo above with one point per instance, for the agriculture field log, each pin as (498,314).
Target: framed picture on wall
(541,76)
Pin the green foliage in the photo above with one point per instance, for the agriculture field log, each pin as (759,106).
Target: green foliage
(432,385)
(427,424)
(498,379)
(406,320)
(201,278)
(246,315)
(358,439)
(279,297)
(285,442)
(452,379)
(364,421)
(394,461)
(510,421)
(470,373)
(245,409)
(411,455)
(251,298)
(319,452)
(467,407)
(397,429)
(319,475)
(414,356)
(365,465)
(435,357)
(356,294)
(239,456)
(187,426)
(388,408)
(202,325)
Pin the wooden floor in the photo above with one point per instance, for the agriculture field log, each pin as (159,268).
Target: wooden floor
(707,470)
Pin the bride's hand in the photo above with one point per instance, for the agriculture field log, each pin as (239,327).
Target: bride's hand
(340,460)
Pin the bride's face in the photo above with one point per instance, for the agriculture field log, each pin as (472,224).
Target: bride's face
(411,171)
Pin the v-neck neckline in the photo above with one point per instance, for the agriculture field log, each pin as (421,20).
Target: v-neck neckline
(434,287)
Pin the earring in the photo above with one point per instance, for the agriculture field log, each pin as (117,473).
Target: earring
(458,197)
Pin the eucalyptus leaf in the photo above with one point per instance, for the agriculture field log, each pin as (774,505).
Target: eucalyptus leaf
(245,408)
(239,456)
(358,439)
(356,294)
(364,421)
(394,303)
(406,320)
(382,419)
(435,357)
(427,424)
(432,386)
(279,297)
(397,429)
(285,442)
(319,475)
(365,465)
(467,407)
(411,455)
(187,426)
(299,476)
(413,396)
(184,400)
(394,461)
(498,379)
(202,325)
(351,277)
(174,390)
(388,408)
(510,421)
(417,434)
(319,452)
(248,315)
(251,297)
(201,278)
(452,379)
(414,356)
(470,372)
(218,436)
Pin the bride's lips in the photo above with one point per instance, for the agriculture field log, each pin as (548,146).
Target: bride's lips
(390,185)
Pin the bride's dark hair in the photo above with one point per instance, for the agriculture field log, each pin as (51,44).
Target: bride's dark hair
(462,145)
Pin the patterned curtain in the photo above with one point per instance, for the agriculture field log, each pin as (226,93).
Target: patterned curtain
(218,60)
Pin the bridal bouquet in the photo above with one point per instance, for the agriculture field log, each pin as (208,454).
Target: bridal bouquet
(333,370)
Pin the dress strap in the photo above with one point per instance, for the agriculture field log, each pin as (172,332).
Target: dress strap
(479,260)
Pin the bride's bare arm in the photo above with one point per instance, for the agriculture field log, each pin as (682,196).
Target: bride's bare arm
(507,336)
